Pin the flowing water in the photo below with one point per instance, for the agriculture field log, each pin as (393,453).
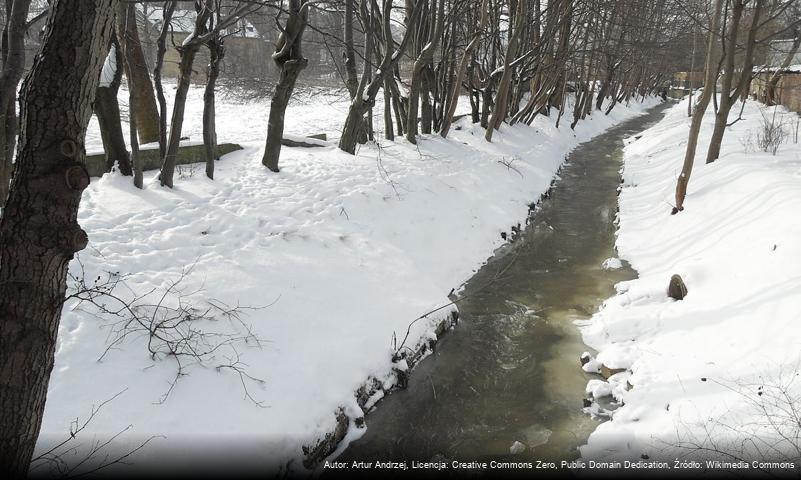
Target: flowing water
(510,371)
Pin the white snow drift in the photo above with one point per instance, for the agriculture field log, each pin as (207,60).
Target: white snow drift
(718,370)
(342,251)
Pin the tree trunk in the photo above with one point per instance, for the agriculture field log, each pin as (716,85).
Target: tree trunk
(425,57)
(167,173)
(288,57)
(147,119)
(710,76)
(107,110)
(728,95)
(501,98)
(161,50)
(367,91)
(460,73)
(216,53)
(39,232)
(13,66)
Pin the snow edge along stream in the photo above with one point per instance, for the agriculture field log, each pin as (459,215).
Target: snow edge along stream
(349,428)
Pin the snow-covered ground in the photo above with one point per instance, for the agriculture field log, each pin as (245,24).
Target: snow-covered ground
(337,254)
(718,370)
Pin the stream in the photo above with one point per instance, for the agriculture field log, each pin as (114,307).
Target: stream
(510,371)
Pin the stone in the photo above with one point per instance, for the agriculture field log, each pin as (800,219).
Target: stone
(677,289)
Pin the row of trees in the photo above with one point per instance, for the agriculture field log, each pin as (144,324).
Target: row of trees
(736,30)
(514,59)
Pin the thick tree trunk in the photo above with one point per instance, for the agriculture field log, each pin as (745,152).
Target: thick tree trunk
(39,232)
(147,112)
(216,53)
(13,65)
(107,110)
(288,57)
(275,124)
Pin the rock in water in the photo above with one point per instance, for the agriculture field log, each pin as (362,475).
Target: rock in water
(677,289)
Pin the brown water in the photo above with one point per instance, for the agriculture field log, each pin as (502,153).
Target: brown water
(510,371)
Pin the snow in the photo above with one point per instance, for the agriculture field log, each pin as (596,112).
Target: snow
(109,69)
(704,370)
(340,253)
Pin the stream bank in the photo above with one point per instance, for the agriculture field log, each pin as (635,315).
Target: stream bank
(510,372)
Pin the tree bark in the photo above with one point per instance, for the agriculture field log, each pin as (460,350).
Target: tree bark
(161,49)
(13,65)
(107,110)
(167,173)
(147,119)
(288,57)
(501,98)
(457,83)
(216,53)
(367,91)
(425,57)
(39,232)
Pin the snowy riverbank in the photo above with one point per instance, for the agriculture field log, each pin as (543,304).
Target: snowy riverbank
(342,252)
(717,371)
